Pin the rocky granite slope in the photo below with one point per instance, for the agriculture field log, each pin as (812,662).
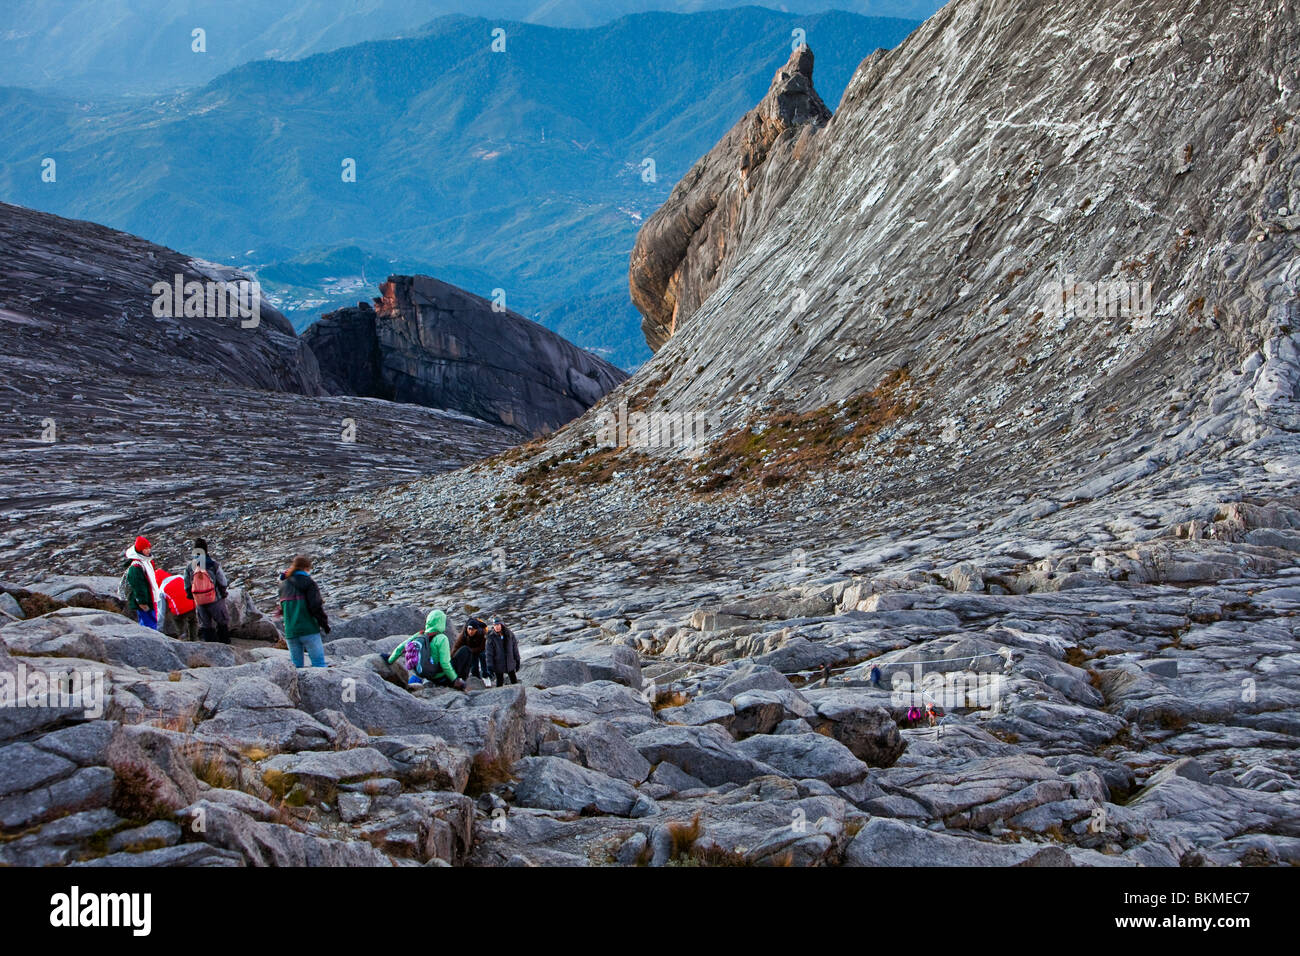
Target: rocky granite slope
(1078,538)
(117,420)
(77,294)
(431,343)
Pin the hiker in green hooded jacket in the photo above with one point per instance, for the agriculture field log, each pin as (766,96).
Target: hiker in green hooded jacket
(429,655)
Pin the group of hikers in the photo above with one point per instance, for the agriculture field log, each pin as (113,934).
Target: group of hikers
(196,601)
(928,713)
(196,598)
(490,653)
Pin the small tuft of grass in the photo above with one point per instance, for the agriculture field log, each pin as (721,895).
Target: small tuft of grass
(684,836)
(669,698)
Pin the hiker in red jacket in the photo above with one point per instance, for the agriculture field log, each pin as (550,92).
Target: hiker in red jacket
(184,620)
(206,586)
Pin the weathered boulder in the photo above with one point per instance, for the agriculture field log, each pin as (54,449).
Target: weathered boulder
(424,760)
(749,676)
(766,829)
(320,774)
(806,755)
(430,343)
(395,622)
(154,771)
(619,664)
(855,719)
(185,854)
(489,725)
(552,783)
(89,788)
(267,729)
(697,713)
(884,842)
(70,632)
(974,793)
(674,779)
(601,747)
(62,841)
(599,700)
(432,826)
(760,711)
(557,671)
(272,844)
(707,753)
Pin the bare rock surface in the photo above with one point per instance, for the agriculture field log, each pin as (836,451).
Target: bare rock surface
(1073,540)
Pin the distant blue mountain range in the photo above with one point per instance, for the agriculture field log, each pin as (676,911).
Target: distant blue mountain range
(147,46)
(527,170)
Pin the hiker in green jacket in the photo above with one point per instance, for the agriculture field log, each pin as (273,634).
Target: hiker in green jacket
(304,613)
(428,655)
(139,586)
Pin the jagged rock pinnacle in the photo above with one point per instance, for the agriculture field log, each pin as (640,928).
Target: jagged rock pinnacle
(679,255)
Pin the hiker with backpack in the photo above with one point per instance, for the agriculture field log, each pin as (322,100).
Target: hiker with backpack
(180,608)
(474,636)
(207,587)
(139,585)
(428,657)
(502,652)
(304,613)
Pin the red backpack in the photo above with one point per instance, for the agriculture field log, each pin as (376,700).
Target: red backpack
(203,587)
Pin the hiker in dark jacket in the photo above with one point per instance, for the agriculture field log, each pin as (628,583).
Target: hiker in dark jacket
(502,652)
(474,636)
(210,598)
(304,613)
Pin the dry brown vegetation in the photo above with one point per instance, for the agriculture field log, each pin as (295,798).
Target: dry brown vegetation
(36,604)
(781,447)
(595,468)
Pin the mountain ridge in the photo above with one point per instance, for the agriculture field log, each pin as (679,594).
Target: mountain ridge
(452,158)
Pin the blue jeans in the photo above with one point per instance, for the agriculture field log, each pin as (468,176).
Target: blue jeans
(147,618)
(314,648)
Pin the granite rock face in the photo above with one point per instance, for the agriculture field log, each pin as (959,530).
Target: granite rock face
(81,294)
(1070,247)
(687,247)
(116,420)
(430,343)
